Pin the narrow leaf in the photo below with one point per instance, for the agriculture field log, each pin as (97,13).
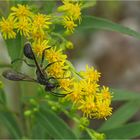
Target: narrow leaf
(2,98)
(8,120)
(121,95)
(128,131)
(122,115)
(91,22)
(14,47)
(49,6)
(15,50)
(38,132)
(87,4)
(56,127)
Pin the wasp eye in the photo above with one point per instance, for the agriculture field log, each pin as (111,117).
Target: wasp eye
(28,51)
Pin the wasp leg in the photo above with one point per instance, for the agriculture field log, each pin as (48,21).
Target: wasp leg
(50,65)
(24,60)
(43,56)
(57,78)
(59,94)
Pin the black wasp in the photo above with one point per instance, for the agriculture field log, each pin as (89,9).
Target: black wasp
(41,75)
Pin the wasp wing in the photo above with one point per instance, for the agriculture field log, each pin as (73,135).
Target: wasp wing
(17,76)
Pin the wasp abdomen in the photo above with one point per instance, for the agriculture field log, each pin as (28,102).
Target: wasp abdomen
(28,51)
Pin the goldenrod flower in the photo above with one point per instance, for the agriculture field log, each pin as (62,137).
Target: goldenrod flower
(88,106)
(76,95)
(57,70)
(72,9)
(41,21)
(103,110)
(93,102)
(76,11)
(37,34)
(53,55)
(66,84)
(21,11)
(69,24)
(23,27)
(91,74)
(39,46)
(105,93)
(7,27)
(89,88)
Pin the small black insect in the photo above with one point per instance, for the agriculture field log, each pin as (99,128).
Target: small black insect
(41,75)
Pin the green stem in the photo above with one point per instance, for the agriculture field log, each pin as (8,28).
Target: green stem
(24,120)
(95,135)
(63,110)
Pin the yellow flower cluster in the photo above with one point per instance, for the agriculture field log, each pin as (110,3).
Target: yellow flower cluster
(7,27)
(71,13)
(57,58)
(85,92)
(33,26)
(22,20)
(94,101)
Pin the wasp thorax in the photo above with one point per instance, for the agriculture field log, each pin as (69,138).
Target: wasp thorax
(49,87)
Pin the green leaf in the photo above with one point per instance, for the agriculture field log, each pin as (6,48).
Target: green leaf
(2,97)
(55,126)
(122,95)
(49,6)
(15,50)
(38,132)
(8,120)
(122,115)
(128,131)
(87,4)
(14,47)
(91,22)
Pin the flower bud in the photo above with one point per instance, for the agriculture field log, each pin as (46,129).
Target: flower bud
(27,112)
(35,109)
(69,45)
(33,102)
(84,122)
